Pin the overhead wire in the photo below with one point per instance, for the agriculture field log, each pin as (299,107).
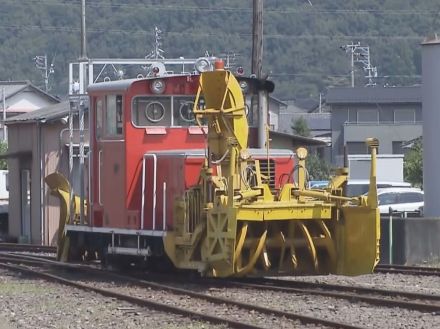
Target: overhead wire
(207,34)
(175,7)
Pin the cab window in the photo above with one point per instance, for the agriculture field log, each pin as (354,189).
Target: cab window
(113,116)
(151,111)
(98,111)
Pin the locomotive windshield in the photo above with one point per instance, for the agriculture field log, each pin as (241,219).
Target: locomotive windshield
(163,111)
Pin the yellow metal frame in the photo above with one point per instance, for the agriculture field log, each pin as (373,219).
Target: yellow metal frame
(242,228)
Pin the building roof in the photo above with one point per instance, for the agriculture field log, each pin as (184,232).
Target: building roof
(12,88)
(279,101)
(52,112)
(374,95)
(308,104)
(298,138)
(315,121)
(302,105)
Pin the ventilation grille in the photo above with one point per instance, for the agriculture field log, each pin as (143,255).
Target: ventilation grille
(268,173)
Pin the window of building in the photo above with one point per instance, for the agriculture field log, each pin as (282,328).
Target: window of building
(357,148)
(397,148)
(113,116)
(404,115)
(352,115)
(370,115)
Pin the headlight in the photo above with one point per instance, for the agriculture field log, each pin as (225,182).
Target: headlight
(244,86)
(157,86)
(202,65)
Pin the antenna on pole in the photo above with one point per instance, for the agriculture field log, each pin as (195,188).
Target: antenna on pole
(157,52)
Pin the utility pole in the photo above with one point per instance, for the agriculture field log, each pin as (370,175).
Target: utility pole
(41,64)
(257,60)
(5,139)
(257,38)
(361,54)
(83,30)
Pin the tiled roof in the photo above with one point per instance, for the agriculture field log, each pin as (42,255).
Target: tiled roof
(12,88)
(48,113)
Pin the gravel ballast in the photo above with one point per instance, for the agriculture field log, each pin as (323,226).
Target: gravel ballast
(30,303)
(34,303)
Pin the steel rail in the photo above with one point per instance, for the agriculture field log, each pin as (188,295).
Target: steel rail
(344,288)
(217,300)
(133,300)
(313,289)
(26,247)
(409,270)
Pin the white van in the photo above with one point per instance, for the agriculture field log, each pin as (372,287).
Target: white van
(357,187)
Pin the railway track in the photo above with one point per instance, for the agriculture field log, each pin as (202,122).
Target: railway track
(409,270)
(27,248)
(373,296)
(38,267)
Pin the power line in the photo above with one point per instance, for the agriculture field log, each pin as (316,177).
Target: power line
(205,34)
(309,11)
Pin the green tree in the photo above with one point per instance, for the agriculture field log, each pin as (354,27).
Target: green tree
(3,149)
(300,127)
(413,165)
(318,168)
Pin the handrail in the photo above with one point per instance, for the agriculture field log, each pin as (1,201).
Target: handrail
(154,156)
(99,177)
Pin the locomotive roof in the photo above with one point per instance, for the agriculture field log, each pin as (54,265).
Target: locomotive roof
(123,85)
(116,85)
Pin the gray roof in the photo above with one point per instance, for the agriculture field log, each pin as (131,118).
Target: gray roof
(298,138)
(52,112)
(308,104)
(374,95)
(315,121)
(12,88)
(279,101)
(116,85)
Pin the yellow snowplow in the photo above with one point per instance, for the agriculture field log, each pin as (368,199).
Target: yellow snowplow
(233,224)
(60,187)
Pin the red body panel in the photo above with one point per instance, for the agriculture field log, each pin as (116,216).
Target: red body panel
(117,164)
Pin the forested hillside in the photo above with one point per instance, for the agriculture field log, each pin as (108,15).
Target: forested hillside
(302,43)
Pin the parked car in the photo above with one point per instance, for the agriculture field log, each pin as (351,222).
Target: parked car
(401,199)
(357,187)
(318,184)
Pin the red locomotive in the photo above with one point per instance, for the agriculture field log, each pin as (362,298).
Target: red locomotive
(145,150)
